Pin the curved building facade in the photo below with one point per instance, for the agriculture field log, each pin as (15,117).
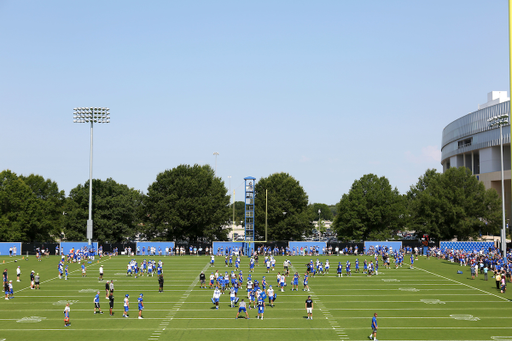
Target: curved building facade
(469,141)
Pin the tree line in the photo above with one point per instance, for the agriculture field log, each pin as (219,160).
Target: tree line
(191,203)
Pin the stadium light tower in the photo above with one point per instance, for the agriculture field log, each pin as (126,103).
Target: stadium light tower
(91,115)
(500,121)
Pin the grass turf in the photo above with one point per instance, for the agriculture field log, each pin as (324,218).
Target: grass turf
(429,302)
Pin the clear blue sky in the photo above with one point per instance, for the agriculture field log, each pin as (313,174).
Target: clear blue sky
(326,91)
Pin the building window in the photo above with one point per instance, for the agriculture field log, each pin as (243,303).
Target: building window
(465,143)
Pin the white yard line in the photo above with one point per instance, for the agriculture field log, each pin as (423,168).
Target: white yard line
(165,323)
(466,285)
(326,314)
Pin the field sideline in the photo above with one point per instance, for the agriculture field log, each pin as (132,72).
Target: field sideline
(429,302)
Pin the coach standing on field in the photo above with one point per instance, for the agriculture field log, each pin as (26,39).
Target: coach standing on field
(161,283)
(309,308)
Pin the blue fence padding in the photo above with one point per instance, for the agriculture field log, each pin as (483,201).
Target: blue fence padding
(467,246)
(5,246)
(226,245)
(317,245)
(156,245)
(65,247)
(377,244)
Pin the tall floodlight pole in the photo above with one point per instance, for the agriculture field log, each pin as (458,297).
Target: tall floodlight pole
(510,62)
(216,154)
(500,121)
(91,115)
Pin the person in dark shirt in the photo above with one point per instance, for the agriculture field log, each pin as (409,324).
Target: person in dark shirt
(111,302)
(202,279)
(161,283)
(309,308)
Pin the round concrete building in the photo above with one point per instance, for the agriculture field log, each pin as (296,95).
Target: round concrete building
(470,141)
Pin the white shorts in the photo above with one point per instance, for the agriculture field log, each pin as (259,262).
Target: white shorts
(309,310)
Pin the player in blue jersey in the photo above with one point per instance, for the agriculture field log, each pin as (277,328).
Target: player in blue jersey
(306,286)
(140,302)
(339,270)
(84,273)
(251,265)
(373,335)
(412,262)
(357,265)
(264,283)
(295,283)
(261,307)
(365,267)
(97,303)
(348,270)
(252,298)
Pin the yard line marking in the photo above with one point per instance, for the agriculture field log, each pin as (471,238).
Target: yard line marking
(177,306)
(466,285)
(327,315)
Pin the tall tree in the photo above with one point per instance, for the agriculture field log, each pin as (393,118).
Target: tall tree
(50,203)
(18,209)
(115,211)
(288,215)
(239,212)
(325,211)
(30,208)
(186,202)
(453,204)
(371,210)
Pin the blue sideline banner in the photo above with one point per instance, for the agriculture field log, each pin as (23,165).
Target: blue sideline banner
(65,247)
(467,246)
(5,246)
(382,244)
(317,246)
(159,248)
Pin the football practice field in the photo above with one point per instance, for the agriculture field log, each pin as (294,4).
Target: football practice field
(429,302)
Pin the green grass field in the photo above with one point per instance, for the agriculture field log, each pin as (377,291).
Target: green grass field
(430,302)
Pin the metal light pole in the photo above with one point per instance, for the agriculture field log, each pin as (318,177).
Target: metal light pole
(91,115)
(216,154)
(500,121)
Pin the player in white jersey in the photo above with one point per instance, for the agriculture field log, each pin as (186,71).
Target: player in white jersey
(271,296)
(126,305)
(249,286)
(212,280)
(282,282)
(232,296)
(216,297)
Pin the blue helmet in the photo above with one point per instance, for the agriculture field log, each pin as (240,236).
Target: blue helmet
(141,295)
(127,295)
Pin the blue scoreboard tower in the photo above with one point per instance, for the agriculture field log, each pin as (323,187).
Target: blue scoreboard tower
(250,183)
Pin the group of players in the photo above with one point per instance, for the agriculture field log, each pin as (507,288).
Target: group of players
(147,267)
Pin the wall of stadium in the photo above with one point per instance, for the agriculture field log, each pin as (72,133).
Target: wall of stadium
(469,141)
